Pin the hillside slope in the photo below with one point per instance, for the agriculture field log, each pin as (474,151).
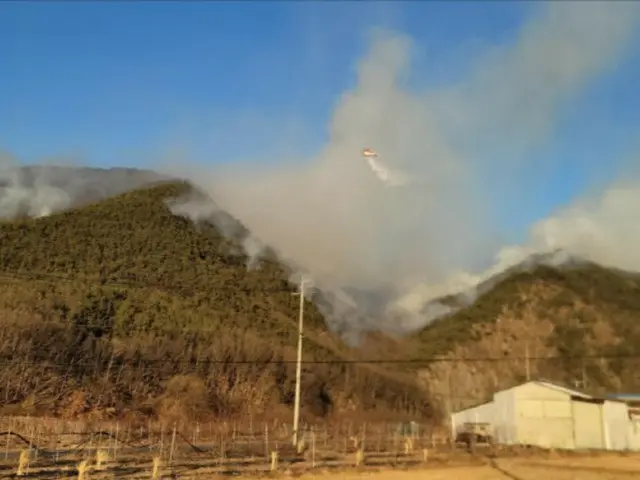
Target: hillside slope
(577,314)
(121,306)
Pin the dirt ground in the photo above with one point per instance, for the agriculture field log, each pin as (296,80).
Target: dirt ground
(489,465)
(598,467)
(614,467)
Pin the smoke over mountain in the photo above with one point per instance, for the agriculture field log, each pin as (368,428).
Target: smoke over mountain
(330,218)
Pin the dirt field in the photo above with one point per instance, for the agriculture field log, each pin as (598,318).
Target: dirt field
(612,467)
(48,449)
(532,467)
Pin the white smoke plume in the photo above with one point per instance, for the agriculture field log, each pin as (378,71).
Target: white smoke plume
(40,190)
(24,194)
(330,217)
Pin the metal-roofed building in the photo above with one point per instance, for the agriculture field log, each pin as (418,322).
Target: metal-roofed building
(548,415)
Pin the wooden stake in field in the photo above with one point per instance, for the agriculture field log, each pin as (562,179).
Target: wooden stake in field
(23,463)
(364,436)
(173,444)
(221,450)
(313,447)
(31,438)
(102,457)
(59,431)
(408,445)
(197,434)
(83,469)
(115,441)
(396,440)
(155,474)
(161,439)
(36,432)
(6,449)
(266,441)
(326,436)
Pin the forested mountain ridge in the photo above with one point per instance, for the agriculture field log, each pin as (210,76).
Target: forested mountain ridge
(125,305)
(578,325)
(118,306)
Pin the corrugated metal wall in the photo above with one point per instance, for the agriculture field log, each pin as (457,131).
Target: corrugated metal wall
(616,426)
(543,417)
(587,425)
(505,428)
(536,414)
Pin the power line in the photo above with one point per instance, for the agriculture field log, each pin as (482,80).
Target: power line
(135,283)
(142,284)
(118,362)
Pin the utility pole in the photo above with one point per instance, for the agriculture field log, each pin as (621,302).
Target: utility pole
(296,405)
(527,366)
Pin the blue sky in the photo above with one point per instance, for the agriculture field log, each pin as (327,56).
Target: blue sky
(124,83)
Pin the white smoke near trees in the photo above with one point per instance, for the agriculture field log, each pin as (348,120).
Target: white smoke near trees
(331,218)
(23,194)
(53,186)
